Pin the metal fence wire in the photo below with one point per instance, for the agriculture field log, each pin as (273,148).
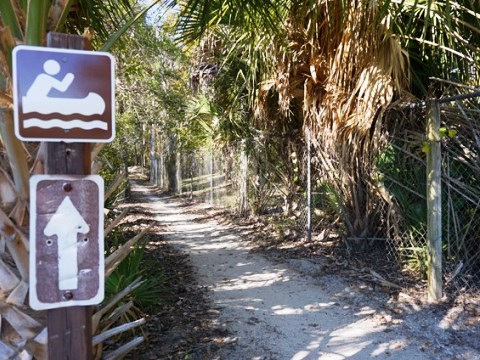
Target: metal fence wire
(461,194)
(402,171)
(249,177)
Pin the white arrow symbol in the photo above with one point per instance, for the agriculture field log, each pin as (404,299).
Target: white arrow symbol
(66,223)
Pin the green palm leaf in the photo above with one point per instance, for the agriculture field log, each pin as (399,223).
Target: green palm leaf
(9,19)
(197,16)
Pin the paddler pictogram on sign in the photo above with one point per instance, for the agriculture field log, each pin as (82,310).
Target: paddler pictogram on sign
(63,95)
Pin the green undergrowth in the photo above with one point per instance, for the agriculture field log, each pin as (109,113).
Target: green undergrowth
(135,266)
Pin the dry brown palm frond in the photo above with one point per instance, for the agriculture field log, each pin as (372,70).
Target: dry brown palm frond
(346,69)
(23,324)
(6,102)
(58,13)
(115,221)
(9,279)
(117,330)
(114,259)
(8,194)
(121,177)
(111,303)
(7,43)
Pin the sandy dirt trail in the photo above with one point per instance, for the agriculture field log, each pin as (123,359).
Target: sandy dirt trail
(276,310)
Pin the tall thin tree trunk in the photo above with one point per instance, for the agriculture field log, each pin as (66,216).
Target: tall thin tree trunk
(161,169)
(142,150)
(171,166)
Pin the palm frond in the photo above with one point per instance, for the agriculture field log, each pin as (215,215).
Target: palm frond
(9,18)
(35,28)
(123,27)
(442,38)
(58,14)
(197,16)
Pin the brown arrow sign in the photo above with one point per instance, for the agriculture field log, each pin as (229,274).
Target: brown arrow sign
(66,241)
(63,95)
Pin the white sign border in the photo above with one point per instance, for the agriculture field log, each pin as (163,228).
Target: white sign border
(34,301)
(64,51)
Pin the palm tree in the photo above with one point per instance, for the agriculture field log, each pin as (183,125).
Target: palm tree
(335,68)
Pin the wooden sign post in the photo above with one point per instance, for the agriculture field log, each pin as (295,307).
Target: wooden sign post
(65,96)
(69,328)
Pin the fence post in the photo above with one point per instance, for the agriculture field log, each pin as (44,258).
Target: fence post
(243,179)
(162,147)
(144,146)
(153,163)
(211,174)
(309,185)
(192,167)
(178,171)
(161,174)
(434,202)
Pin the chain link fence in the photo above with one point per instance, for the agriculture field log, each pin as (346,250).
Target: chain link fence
(460,141)
(257,177)
(209,176)
(401,182)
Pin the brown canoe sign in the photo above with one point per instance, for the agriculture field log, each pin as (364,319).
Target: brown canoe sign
(63,95)
(66,241)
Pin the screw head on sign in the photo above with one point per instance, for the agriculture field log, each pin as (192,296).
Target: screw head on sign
(67,187)
(68,295)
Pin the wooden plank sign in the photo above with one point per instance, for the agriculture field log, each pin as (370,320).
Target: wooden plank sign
(63,94)
(66,241)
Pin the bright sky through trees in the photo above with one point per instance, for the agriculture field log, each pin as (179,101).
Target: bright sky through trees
(157,14)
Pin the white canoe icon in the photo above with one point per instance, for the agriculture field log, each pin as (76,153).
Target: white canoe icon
(38,100)
(90,105)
